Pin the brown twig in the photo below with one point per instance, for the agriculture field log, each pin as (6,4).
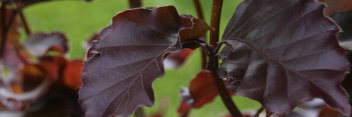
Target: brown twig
(135,3)
(199,9)
(200,15)
(25,23)
(215,22)
(213,62)
(223,92)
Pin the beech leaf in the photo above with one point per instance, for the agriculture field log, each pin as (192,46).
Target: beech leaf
(283,53)
(203,89)
(126,59)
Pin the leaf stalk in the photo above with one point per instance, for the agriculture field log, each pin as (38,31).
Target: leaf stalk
(25,23)
(213,63)
(200,15)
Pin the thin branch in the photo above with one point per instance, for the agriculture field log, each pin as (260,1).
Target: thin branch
(200,15)
(135,3)
(25,23)
(199,9)
(214,60)
(215,22)
(223,92)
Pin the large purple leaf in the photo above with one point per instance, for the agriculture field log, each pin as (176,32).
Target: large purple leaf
(283,53)
(126,59)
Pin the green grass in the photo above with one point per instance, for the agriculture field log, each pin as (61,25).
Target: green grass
(80,20)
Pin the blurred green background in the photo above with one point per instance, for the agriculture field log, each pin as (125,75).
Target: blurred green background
(80,20)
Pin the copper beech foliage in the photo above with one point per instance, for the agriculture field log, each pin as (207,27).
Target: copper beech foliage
(281,53)
(129,55)
(31,82)
(284,60)
(281,61)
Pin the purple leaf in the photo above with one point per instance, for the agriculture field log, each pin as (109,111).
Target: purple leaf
(283,53)
(126,59)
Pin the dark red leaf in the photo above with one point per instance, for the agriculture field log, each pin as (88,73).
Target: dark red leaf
(39,44)
(192,28)
(283,53)
(184,107)
(72,74)
(127,59)
(176,59)
(203,89)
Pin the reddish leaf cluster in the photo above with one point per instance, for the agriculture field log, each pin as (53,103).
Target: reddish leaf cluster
(36,79)
(36,75)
